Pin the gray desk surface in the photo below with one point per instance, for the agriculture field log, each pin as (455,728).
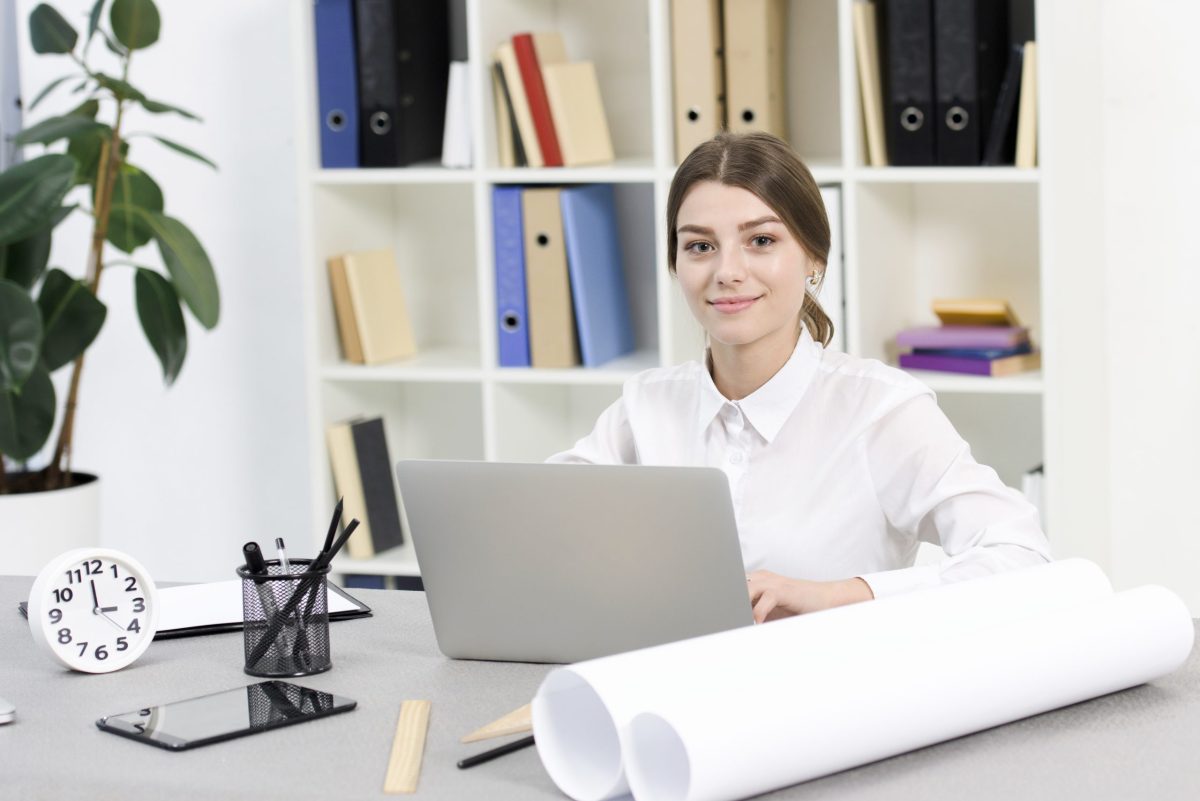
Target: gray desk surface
(1140,743)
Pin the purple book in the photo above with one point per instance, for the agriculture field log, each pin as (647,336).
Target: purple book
(1009,365)
(963,336)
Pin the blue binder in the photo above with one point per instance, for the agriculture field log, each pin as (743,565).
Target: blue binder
(512,331)
(594,263)
(337,84)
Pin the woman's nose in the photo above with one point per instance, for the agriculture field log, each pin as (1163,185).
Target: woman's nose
(732,268)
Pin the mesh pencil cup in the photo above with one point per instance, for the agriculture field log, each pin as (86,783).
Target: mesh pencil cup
(286,620)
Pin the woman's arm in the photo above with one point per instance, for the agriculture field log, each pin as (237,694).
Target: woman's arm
(930,487)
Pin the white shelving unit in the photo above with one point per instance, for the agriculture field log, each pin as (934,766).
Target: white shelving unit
(908,235)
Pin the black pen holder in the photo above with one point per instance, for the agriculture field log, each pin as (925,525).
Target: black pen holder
(286,620)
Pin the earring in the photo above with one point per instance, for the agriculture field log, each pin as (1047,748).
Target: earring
(814,279)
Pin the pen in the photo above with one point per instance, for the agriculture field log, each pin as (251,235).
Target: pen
(333,524)
(257,566)
(487,756)
(283,560)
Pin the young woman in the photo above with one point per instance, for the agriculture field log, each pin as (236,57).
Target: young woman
(838,466)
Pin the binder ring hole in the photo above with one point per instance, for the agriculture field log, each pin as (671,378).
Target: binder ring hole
(335,120)
(748,115)
(543,240)
(510,322)
(693,114)
(957,118)
(381,122)
(912,118)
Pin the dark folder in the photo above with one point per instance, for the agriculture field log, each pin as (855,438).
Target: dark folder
(403,74)
(379,487)
(1002,135)
(337,92)
(908,71)
(970,50)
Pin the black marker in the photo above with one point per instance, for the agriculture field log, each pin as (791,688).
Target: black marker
(488,756)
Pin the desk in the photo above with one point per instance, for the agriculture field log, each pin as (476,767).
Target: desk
(1141,743)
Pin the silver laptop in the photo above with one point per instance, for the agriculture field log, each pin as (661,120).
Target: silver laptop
(558,563)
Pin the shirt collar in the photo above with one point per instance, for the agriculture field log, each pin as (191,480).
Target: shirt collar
(769,406)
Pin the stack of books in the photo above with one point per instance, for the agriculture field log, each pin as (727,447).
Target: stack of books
(976,337)
(362,474)
(549,112)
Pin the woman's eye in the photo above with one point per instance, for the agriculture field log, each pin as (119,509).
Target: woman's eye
(699,247)
(762,240)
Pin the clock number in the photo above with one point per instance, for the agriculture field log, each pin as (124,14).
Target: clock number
(55,615)
(133,626)
(139,604)
(122,644)
(93,567)
(114,570)
(130,584)
(64,636)
(63,595)
(101,653)
(82,646)
(74,576)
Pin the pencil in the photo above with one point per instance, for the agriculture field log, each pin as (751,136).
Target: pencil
(488,756)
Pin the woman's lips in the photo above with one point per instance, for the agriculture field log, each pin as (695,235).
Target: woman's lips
(732,305)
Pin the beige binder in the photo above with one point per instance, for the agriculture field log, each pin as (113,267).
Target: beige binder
(866,51)
(373,284)
(698,73)
(551,319)
(755,52)
(520,104)
(578,113)
(1026,155)
(348,481)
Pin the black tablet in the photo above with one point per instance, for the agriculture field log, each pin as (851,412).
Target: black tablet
(225,715)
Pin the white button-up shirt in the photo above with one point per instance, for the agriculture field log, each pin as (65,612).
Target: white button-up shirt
(838,467)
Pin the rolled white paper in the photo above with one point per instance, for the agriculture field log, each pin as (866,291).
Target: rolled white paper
(763,735)
(580,712)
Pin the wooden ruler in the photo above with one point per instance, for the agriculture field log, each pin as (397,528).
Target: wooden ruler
(404,763)
(518,721)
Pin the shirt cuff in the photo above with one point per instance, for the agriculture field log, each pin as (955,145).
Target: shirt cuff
(895,582)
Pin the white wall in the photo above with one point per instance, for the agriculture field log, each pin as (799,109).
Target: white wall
(192,472)
(1151,164)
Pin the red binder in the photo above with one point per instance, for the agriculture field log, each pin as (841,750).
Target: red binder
(535,91)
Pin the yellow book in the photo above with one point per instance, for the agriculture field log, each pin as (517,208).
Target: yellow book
(1026,155)
(344,309)
(975,311)
(578,113)
(372,282)
(343,459)
(866,51)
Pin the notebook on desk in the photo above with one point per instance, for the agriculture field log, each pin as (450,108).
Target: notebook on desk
(559,563)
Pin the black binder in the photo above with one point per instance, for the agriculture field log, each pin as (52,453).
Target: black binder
(1002,135)
(970,46)
(403,74)
(908,74)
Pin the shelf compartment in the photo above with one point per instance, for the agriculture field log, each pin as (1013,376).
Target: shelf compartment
(943,240)
(431,365)
(615,36)
(535,421)
(431,229)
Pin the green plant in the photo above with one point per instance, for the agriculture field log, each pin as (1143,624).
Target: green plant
(47,318)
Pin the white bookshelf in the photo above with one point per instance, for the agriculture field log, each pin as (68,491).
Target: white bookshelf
(908,235)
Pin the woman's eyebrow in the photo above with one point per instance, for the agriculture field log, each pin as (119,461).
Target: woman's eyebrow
(700,229)
(758,222)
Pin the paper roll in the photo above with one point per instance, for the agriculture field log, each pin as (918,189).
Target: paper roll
(735,745)
(580,712)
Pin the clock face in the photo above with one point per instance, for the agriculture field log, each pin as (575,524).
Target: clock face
(93,609)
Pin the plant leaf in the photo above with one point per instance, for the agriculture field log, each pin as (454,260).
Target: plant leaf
(162,321)
(123,90)
(20,336)
(49,32)
(113,47)
(27,417)
(71,318)
(135,23)
(31,194)
(178,148)
(190,269)
(26,260)
(49,88)
(56,128)
(155,107)
(94,19)
(127,230)
(88,108)
(86,149)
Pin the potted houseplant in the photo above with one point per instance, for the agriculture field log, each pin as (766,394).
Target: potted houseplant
(49,318)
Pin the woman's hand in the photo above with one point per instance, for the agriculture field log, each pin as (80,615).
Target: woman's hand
(774,596)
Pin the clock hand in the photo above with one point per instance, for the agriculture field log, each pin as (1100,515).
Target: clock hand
(108,609)
(110,620)
(95,598)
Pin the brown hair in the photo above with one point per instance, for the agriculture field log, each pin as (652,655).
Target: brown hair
(767,167)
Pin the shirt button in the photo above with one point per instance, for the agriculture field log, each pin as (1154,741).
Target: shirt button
(736,457)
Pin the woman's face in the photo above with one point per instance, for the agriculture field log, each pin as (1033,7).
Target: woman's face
(740,269)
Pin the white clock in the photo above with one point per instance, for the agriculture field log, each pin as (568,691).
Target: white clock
(93,609)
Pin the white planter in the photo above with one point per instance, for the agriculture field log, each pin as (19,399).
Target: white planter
(36,526)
